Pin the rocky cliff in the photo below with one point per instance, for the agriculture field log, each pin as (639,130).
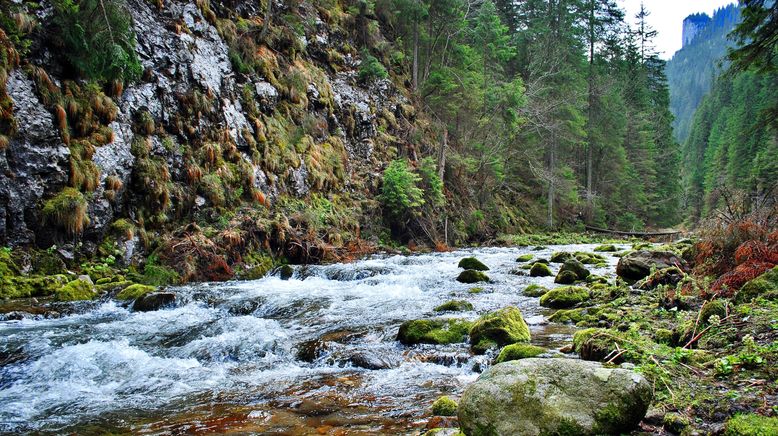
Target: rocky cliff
(233,121)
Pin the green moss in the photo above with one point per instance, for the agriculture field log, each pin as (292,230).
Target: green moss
(594,343)
(525,258)
(540,270)
(35,286)
(475,290)
(675,422)
(762,285)
(663,336)
(567,316)
(564,297)
(607,248)
(535,290)
(751,425)
(444,406)
(503,327)
(713,307)
(471,276)
(113,286)
(519,351)
(427,331)
(565,278)
(454,306)
(560,256)
(76,290)
(7,266)
(589,258)
(135,291)
(473,263)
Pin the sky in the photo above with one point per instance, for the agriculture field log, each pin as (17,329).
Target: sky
(667,18)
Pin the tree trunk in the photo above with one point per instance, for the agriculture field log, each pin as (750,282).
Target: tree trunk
(442,154)
(590,145)
(550,199)
(416,55)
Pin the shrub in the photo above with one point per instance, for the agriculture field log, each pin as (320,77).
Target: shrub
(400,194)
(98,38)
(371,68)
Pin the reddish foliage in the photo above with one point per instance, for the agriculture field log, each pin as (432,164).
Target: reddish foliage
(217,270)
(750,251)
(732,281)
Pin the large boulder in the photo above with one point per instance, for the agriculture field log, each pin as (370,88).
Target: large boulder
(473,263)
(667,276)
(554,396)
(540,270)
(765,285)
(433,331)
(497,329)
(564,297)
(638,264)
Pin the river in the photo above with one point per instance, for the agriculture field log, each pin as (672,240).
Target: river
(313,354)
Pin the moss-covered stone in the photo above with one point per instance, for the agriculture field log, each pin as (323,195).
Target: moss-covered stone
(525,258)
(503,327)
(444,406)
(663,336)
(433,331)
(285,272)
(540,270)
(607,248)
(534,290)
(76,290)
(560,256)
(576,267)
(563,316)
(34,286)
(765,284)
(472,276)
(135,291)
(473,264)
(518,351)
(713,307)
(594,343)
(476,290)
(564,297)
(454,306)
(112,287)
(675,422)
(565,278)
(751,424)
(597,279)
(589,258)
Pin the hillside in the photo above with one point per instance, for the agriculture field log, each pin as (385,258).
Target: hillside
(693,69)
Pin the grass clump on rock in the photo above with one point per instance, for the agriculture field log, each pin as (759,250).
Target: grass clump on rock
(473,263)
(564,297)
(472,276)
(67,210)
(519,351)
(444,406)
(454,306)
(498,329)
(432,331)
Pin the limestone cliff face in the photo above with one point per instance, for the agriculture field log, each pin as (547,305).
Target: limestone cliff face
(692,26)
(195,133)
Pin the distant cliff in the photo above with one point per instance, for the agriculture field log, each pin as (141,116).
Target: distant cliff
(691,72)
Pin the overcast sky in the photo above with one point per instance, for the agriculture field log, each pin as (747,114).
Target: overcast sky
(667,18)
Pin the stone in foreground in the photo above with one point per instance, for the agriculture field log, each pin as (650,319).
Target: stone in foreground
(638,264)
(554,396)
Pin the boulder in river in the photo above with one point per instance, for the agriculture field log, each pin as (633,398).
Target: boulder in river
(473,263)
(472,276)
(554,396)
(565,277)
(433,331)
(638,264)
(519,351)
(575,267)
(667,276)
(535,290)
(607,248)
(153,301)
(455,306)
(540,270)
(497,329)
(564,297)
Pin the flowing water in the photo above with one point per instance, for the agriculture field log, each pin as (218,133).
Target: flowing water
(312,355)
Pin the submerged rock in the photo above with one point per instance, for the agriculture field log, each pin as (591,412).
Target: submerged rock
(472,276)
(473,263)
(554,396)
(503,327)
(638,264)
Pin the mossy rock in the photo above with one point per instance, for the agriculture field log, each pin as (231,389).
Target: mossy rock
(525,258)
(561,256)
(540,270)
(77,290)
(763,285)
(565,278)
(47,263)
(444,406)
(564,297)
(471,276)
(503,327)
(576,267)
(8,267)
(595,279)
(134,292)
(573,316)
(607,248)
(595,344)
(589,258)
(285,272)
(518,351)
(433,331)
(675,422)
(473,264)
(713,307)
(454,306)
(534,290)
(113,286)
(663,336)
(476,290)
(751,424)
